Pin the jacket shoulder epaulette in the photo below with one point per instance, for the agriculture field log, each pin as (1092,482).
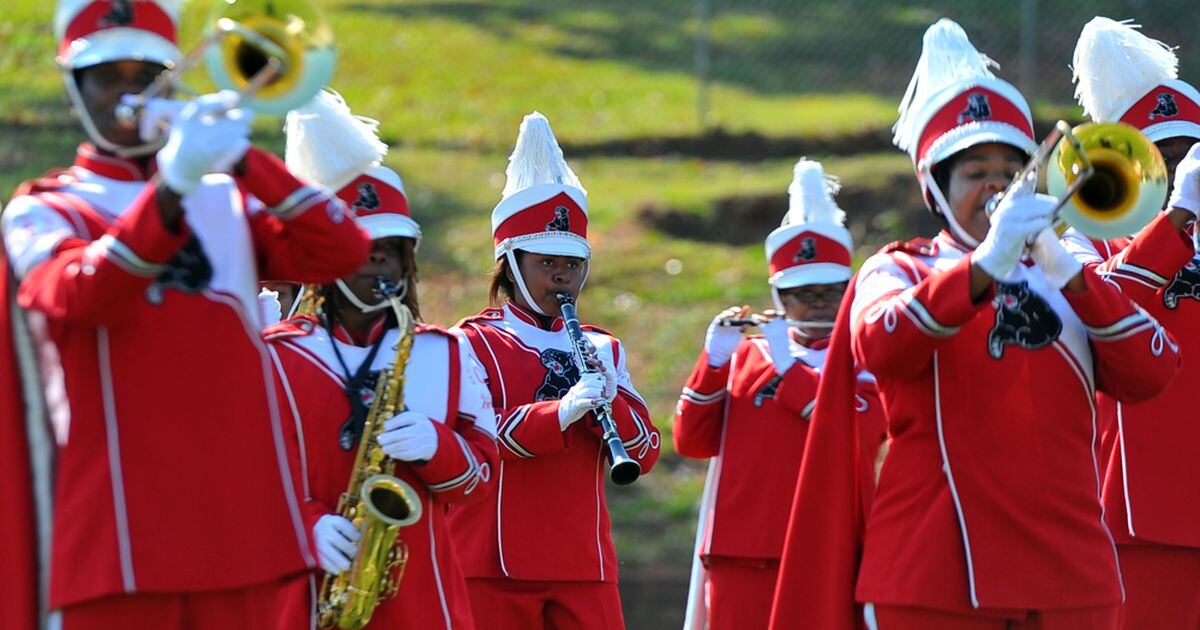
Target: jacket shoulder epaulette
(486,315)
(296,326)
(50,181)
(917,246)
(433,329)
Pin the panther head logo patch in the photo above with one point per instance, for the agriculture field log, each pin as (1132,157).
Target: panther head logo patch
(368,197)
(1023,318)
(808,250)
(1186,285)
(561,374)
(561,221)
(1166,107)
(119,14)
(977,108)
(189,271)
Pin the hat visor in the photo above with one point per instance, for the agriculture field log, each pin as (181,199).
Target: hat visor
(379,226)
(1172,129)
(814,273)
(986,132)
(549,244)
(120,44)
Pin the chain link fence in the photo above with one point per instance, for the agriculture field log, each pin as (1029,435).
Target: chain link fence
(871,46)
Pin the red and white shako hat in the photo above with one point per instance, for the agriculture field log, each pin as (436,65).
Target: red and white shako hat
(812,245)
(954,102)
(91,32)
(327,144)
(543,208)
(1123,76)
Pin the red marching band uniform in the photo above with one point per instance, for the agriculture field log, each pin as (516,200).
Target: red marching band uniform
(443,383)
(987,508)
(538,551)
(752,421)
(1151,503)
(174,496)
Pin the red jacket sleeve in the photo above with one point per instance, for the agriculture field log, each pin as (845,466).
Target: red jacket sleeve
(638,435)
(460,471)
(899,328)
(700,412)
(94,283)
(1135,357)
(530,430)
(1147,265)
(306,235)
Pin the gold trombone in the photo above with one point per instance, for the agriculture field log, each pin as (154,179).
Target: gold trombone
(1110,180)
(277,54)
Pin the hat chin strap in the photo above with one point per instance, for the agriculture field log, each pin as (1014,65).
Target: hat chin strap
(97,138)
(943,207)
(363,306)
(520,281)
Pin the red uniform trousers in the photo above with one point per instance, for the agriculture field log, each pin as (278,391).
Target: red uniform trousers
(260,606)
(905,618)
(1162,587)
(739,593)
(507,604)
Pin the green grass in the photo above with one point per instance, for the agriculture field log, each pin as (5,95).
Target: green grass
(450,80)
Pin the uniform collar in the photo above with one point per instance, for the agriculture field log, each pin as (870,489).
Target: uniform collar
(946,239)
(91,159)
(529,317)
(378,327)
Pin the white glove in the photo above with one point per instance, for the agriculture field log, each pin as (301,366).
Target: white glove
(779,342)
(157,116)
(1019,216)
(610,381)
(580,399)
(337,542)
(205,138)
(721,341)
(409,437)
(1186,192)
(1056,262)
(272,310)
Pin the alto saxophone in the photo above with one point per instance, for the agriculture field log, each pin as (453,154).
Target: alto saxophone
(376,501)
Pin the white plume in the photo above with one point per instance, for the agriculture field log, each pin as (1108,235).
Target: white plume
(811,196)
(947,57)
(1115,65)
(328,144)
(537,158)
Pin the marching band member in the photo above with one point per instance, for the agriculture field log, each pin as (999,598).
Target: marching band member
(987,360)
(1150,503)
(538,552)
(139,293)
(444,439)
(746,405)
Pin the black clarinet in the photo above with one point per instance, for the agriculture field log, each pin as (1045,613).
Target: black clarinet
(625,470)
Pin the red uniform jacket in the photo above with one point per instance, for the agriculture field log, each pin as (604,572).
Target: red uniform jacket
(548,519)
(1150,493)
(988,497)
(755,423)
(443,383)
(171,474)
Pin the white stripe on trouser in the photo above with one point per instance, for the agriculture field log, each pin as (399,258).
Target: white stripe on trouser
(869,617)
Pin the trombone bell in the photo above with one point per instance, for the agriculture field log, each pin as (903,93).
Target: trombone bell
(252,33)
(1127,185)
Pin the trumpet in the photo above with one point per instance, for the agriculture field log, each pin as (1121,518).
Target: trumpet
(1110,180)
(276,54)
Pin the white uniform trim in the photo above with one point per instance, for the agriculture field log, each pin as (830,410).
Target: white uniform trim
(437,573)
(291,398)
(599,484)
(697,398)
(1124,468)
(112,437)
(962,519)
